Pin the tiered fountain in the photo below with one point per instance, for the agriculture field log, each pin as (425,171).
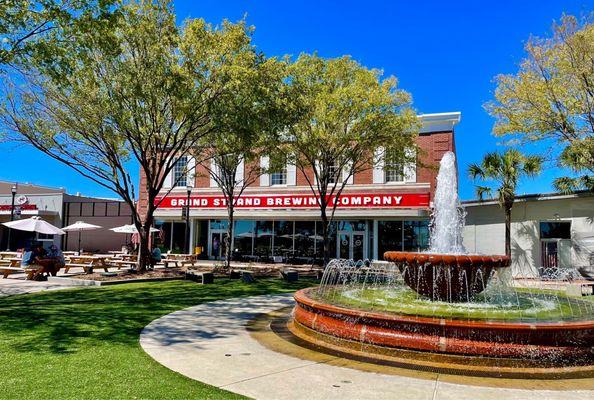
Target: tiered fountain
(448,303)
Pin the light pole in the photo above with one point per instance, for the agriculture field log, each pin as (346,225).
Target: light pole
(187,236)
(14,191)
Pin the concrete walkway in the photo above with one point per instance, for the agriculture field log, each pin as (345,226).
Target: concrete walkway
(210,343)
(16,284)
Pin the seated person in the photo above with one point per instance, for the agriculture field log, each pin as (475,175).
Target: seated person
(156,256)
(55,254)
(40,257)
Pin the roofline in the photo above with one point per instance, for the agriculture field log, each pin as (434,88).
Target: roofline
(532,197)
(439,122)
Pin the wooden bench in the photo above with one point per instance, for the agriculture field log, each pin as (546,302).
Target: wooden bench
(200,277)
(29,271)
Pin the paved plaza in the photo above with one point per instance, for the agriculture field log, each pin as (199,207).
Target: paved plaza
(210,343)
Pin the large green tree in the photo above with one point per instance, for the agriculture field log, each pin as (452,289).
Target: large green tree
(551,97)
(345,113)
(501,173)
(137,91)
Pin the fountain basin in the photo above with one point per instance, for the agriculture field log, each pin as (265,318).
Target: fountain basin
(559,341)
(446,277)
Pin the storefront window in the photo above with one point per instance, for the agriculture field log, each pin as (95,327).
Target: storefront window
(218,224)
(331,240)
(263,239)
(416,235)
(243,236)
(305,236)
(390,237)
(283,238)
(178,237)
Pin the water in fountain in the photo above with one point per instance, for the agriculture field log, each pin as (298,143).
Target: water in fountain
(448,217)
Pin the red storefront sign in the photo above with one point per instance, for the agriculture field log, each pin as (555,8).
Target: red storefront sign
(351,200)
(7,207)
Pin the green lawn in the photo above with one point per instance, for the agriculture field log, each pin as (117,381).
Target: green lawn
(83,343)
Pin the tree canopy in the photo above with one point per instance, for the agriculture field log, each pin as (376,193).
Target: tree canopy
(552,97)
(344,114)
(138,88)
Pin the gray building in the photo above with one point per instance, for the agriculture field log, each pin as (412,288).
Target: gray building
(60,209)
(552,235)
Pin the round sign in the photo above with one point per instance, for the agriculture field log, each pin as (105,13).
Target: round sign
(357,243)
(345,242)
(22,199)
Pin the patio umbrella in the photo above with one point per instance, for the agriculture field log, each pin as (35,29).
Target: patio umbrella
(130,229)
(80,226)
(34,224)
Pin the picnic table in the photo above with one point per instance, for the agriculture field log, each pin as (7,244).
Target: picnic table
(8,254)
(179,259)
(87,263)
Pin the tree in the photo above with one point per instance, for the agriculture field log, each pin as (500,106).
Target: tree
(24,23)
(552,98)
(505,171)
(246,121)
(139,90)
(345,112)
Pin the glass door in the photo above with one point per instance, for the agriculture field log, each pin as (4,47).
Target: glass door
(217,244)
(351,244)
(344,245)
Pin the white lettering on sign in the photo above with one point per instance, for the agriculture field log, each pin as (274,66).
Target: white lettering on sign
(351,200)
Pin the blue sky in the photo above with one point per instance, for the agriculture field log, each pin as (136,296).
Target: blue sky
(444,53)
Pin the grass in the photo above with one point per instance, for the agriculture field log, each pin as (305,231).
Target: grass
(83,343)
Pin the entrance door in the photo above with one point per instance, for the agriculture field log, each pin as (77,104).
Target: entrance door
(217,244)
(351,244)
(549,258)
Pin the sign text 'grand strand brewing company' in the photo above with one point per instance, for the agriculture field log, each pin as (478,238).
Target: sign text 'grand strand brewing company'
(270,201)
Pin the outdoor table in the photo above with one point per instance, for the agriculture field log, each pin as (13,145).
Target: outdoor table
(8,254)
(86,262)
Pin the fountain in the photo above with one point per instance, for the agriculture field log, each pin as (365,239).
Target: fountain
(446,272)
(465,309)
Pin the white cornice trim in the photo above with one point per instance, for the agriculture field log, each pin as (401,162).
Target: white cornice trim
(439,122)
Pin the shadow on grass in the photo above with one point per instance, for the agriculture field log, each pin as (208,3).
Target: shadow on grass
(67,320)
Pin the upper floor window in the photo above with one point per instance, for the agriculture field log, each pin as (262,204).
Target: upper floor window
(278,170)
(180,172)
(393,167)
(279,177)
(333,173)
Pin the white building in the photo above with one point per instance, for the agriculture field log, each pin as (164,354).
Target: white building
(550,233)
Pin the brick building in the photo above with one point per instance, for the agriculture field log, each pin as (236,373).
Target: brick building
(383,208)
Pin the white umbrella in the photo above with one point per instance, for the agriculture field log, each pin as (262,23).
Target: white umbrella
(80,226)
(34,224)
(129,229)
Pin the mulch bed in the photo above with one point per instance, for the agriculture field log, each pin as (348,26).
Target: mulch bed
(127,275)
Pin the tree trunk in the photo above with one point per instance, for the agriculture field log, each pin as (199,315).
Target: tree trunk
(508,210)
(325,241)
(144,251)
(229,238)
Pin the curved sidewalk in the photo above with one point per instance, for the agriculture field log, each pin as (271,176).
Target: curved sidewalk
(210,343)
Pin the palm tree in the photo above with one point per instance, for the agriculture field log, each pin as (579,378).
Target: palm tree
(504,170)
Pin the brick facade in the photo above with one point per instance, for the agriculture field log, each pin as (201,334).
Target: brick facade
(432,144)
